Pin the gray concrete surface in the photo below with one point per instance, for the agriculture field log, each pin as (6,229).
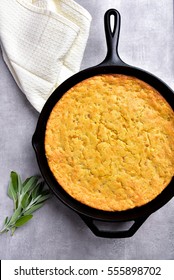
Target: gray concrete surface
(56,232)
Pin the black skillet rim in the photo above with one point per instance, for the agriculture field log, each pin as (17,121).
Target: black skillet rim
(39,135)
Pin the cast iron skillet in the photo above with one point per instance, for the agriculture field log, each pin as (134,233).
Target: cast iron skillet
(111,64)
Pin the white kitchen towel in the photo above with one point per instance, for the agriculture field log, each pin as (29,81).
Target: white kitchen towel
(43,43)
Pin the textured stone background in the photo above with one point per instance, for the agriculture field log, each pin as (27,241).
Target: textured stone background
(56,232)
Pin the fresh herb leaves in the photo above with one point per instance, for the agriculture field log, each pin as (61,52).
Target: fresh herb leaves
(27,197)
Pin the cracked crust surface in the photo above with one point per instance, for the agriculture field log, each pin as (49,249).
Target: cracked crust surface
(109,142)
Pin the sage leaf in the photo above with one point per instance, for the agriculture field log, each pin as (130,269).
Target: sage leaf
(25,201)
(11,192)
(38,189)
(23,220)
(33,208)
(13,188)
(30,184)
(15,215)
(46,192)
(27,197)
(13,230)
(35,201)
(14,180)
(24,183)
(6,221)
(20,186)
(43,198)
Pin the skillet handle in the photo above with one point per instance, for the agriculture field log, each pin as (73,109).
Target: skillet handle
(113,234)
(112,38)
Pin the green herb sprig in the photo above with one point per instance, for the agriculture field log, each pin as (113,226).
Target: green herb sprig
(27,197)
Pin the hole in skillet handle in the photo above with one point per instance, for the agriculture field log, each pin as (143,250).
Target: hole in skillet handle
(96,227)
(112,22)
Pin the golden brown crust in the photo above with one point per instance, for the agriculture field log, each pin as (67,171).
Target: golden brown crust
(109,142)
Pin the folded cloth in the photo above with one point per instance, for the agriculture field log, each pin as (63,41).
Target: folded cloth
(43,43)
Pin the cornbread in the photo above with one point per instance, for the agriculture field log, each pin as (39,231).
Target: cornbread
(109,142)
